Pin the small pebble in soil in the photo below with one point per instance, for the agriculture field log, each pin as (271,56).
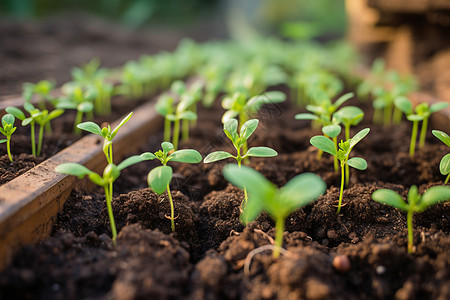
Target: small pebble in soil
(380,270)
(341,263)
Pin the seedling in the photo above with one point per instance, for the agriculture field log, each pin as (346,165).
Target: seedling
(333,131)
(444,166)
(238,140)
(110,174)
(7,130)
(416,203)
(165,107)
(159,178)
(106,133)
(42,118)
(422,113)
(278,203)
(343,154)
(43,89)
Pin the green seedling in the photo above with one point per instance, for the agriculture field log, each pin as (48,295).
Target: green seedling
(165,107)
(416,203)
(238,140)
(106,133)
(444,166)
(79,99)
(37,116)
(333,131)
(278,203)
(42,89)
(89,72)
(422,112)
(7,130)
(159,178)
(343,155)
(110,174)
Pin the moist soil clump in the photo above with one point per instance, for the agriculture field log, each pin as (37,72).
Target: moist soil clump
(359,254)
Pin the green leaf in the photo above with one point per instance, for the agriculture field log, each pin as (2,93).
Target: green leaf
(414,118)
(124,120)
(404,105)
(357,163)
(216,156)
(167,147)
(324,144)
(341,100)
(306,116)
(445,138)
(148,156)
(434,195)
(379,103)
(171,117)
(90,127)
(390,198)
(231,126)
(85,106)
(248,128)
(358,137)
(15,112)
(258,187)
(438,106)
(186,156)
(28,107)
(229,114)
(111,172)
(73,169)
(8,119)
(3,141)
(97,179)
(159,178)
(27,121)
(349,115)
(332,130)
(188,115)
(444,166)
(54,114)
(131,161)
(261,152)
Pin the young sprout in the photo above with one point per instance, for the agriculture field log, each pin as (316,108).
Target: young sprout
(444,166)
(343,154)
(165,107)
(182,112)
(43,89)
(159,178)
(42,118)
(416,203)
(278,203)
(333,131)
(422,113)
(110,174)
(7,130)
(238,140)
(107,133)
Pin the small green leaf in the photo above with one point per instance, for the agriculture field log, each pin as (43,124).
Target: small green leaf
(73,169)
(306,116)
(261,152)
(231,126)
(111,172)
(349,115)
(171,117)
(324,144)
(357,163)
(131,161)
(28,107)
(124,120)
(438,106)
(390,198)
(8,119)
(186,156)
(229,114)
(54,114)
(434,195)
(188,115)
(358,137)
(444,137)
(159,178)
(97,179)
(27,121)
(216,156)
(332,130)
(444,166)
(341,100)
(90,127)
(248,128)
(167,147)
(404,105)
(3,141)
(414,118)
(15,112)
(85,106)
(148,156)
(379,103)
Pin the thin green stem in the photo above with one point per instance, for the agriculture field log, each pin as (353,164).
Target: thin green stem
(78,119)
(110,154)
(167,125)
(108,195)
(412,145)
(446,180)
(347,132)
(242,119)
(377,116)
(176,133)
(33,140)
(40,138)
(347,175)
(397,118)
(185,130)
(279,226)
(172,210)
(410,230)
(341,192)
(336,163)
(423,132)
(8,147)
(387,115)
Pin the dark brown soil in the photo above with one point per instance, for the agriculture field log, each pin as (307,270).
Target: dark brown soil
(205,257)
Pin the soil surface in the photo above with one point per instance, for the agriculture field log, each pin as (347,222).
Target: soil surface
(358,254)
